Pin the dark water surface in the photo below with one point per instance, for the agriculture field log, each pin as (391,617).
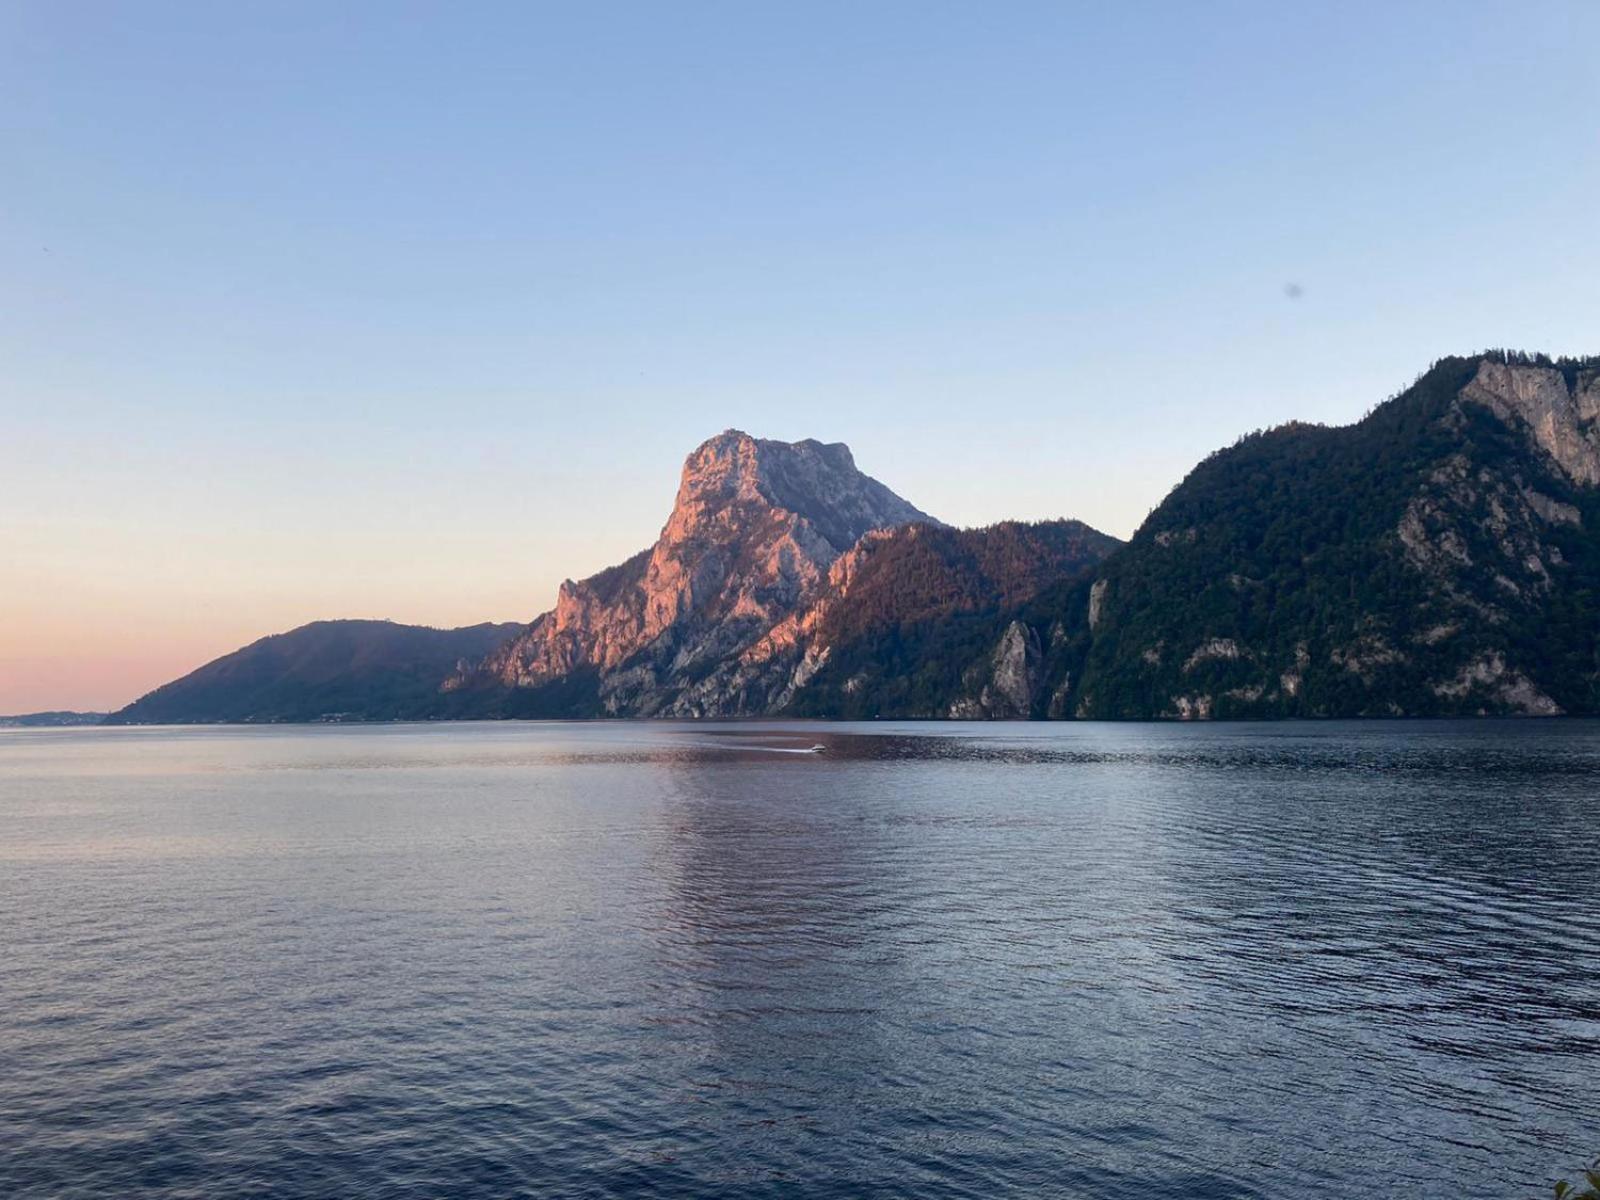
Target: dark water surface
(685,960)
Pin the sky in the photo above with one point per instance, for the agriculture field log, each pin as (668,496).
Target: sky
(413,310)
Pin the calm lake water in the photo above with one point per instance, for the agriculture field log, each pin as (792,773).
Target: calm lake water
(1299,960)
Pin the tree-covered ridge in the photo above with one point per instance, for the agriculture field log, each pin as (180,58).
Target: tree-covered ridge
(924,573)
(1428,559)
(926,607)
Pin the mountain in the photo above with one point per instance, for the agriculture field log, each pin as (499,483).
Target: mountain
(1440,557)
(784,581)
(49,719)
(755,527)
(917,621)
(328,670)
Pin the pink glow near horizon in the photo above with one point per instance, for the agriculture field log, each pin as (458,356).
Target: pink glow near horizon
(399,314)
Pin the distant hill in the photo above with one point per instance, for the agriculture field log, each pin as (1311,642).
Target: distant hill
(754,529)
(328,670)
(43,719)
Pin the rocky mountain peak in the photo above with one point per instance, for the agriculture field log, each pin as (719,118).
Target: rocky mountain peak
(753,531)
(734,473)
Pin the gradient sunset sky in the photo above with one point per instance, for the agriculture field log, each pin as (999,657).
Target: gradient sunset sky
(412,310)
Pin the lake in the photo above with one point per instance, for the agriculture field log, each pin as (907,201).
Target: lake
(715,960)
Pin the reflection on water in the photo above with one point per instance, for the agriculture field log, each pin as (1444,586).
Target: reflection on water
(768,959)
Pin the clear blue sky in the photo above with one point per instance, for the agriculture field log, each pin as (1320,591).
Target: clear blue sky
(412,310)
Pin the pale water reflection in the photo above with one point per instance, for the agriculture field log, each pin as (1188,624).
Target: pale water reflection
(780,959)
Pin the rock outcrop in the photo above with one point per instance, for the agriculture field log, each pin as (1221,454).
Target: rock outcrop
(1005,685)
(1559,413)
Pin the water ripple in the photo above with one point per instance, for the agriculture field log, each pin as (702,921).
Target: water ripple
(686,961)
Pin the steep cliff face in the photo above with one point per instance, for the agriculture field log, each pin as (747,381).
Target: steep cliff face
(1440,557)
(753,532)
(1005,683)
(1555,409)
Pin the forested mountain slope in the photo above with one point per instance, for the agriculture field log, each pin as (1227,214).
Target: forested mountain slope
(1441,556)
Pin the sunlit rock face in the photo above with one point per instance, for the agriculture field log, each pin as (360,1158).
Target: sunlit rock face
(753,532)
